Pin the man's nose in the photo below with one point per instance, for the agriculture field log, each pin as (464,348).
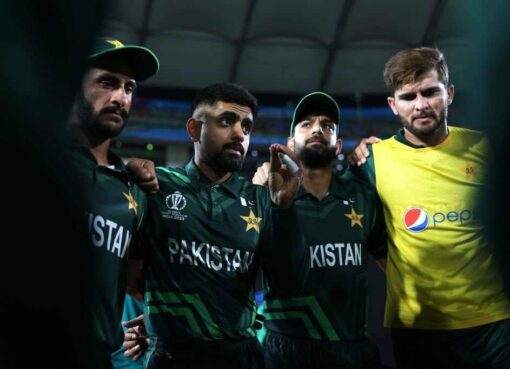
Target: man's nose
(317,127)
(237,132)
(120,97)
(422,102)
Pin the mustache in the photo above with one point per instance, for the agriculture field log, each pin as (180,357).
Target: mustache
(424,115)
(115,110)
(320,139)
(235,146)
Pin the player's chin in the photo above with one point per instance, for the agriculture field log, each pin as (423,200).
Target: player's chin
(112,123)
(316,145)
(426,129)
(233,162)
(112,119)
(110,130)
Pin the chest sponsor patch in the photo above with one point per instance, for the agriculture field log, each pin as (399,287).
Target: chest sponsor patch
(418,220)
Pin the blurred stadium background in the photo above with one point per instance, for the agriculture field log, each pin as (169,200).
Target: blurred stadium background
(279,50)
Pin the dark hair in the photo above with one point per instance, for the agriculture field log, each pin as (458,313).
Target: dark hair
(226,92)
(408,66)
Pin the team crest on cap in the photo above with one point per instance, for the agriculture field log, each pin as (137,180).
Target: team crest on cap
(115,43)
(416,220)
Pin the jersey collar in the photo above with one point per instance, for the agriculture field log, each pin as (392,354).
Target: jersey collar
(335,188)
(112,157)
(84,152)
(231,185)
(400,137)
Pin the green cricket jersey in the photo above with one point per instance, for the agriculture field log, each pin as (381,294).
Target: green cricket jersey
(339,230)
(205,245)
(115,208)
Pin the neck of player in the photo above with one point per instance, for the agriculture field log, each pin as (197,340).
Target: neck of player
(210,173)
(97,146)
(434,139)
(317,181)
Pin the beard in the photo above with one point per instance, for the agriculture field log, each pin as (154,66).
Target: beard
(221,162)
(316,157)
(92,122)
(424,132)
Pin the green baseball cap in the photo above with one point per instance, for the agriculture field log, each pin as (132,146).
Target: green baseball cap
(315,102)
(143,61)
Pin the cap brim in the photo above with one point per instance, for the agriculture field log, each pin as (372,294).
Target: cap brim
(143,61)
(315,102)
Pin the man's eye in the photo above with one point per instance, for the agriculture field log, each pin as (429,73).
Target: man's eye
(247,128)
(106,84)
(224,121)
(130,89)
(430,93)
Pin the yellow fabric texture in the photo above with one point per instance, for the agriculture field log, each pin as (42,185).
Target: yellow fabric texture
(441,274)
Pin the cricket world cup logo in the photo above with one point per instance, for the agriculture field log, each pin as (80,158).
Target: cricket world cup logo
(176,201)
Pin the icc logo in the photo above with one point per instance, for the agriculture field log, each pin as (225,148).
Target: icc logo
(416,220)
(175,201)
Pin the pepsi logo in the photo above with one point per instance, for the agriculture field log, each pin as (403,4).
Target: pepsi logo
(416,219)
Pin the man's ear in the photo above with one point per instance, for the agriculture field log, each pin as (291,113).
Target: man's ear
(338,146)
(391,103)
(194,128)
(451,93)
